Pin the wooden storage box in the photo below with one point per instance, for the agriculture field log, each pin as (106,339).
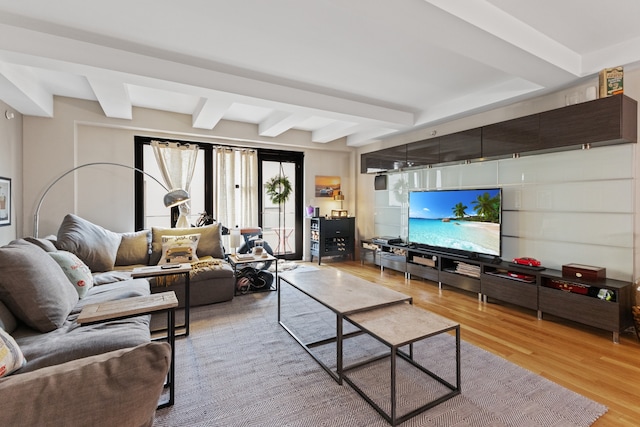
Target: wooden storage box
(585,272)
(429,262)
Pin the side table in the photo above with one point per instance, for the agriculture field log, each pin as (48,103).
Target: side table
(136,306)
(398,326)
(156,271)
(235,263)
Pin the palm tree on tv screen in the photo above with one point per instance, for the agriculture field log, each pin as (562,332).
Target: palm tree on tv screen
(487,207)
(459,210)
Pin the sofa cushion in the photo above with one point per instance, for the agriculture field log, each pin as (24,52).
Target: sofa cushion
(34,287)
(11,357)
(179,249)
(210,240)
(73,341)
(76,271)
(8,321)
(134,248)
(46,244)
(118,388)
(94,245)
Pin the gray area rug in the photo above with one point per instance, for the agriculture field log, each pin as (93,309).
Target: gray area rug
(239,367)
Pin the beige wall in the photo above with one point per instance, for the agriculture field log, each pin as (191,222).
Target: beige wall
(79,133)
(11,167)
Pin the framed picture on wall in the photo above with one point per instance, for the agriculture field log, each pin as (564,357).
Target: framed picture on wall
(327,186)
(5,201)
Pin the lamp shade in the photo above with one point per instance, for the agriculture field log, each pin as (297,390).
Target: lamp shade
(175,197)
(339,196)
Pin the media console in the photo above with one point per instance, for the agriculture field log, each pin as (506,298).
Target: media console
(604,304)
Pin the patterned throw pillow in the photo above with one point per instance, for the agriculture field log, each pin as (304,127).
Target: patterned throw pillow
(11,357)
(76,271)
(179,248)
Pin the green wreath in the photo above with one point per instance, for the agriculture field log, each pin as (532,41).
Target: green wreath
(278,189)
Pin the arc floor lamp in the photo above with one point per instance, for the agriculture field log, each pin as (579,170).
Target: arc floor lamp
(173,197)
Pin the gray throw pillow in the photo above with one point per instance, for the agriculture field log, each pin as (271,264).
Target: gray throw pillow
(46,244)
(134,248)
(94,245)
(34,287)
(210,243)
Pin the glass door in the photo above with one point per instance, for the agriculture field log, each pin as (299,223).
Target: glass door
(280,175)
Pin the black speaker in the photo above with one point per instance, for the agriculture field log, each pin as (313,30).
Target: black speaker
(380,182)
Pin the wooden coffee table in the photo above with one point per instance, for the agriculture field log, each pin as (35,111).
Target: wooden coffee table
(137,306)
(341,293)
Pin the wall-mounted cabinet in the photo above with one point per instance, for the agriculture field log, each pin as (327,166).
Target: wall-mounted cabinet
(423,153)
(461,146)
(604,121)
(382,160)
(512,136)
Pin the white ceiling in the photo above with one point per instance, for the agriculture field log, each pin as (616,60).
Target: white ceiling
(360,69)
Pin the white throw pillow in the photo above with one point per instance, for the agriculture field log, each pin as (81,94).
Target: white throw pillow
(76,271)
(11,357)
(179,248)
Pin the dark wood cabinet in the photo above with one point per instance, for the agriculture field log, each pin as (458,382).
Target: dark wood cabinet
(512,136)
(604,121)
(604,303)
(461,146)
(498,282)
(423,153)
(332,237)
(383,160)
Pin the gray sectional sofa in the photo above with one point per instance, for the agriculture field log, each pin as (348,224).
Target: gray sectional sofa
(104,374)
(72,374)
(112,256)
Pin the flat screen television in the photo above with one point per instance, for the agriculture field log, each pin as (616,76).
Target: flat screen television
(463,222)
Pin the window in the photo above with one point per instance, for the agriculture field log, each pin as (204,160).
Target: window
(228,184)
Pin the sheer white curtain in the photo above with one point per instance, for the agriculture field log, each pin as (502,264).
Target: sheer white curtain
(177,163)
(235,186)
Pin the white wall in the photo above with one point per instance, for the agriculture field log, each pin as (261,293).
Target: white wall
(79,133)
(577,206)
(11,167)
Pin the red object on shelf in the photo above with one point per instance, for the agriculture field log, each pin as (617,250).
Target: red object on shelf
(532,262)
(521,276)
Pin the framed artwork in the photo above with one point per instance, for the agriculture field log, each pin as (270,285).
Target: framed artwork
(5,201)
(327,186)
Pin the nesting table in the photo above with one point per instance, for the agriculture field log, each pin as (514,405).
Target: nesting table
(384,314)
(158,271)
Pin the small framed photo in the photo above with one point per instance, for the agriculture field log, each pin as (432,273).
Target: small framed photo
(5,201)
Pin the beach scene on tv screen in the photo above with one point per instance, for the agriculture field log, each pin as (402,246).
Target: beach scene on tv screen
(465,220)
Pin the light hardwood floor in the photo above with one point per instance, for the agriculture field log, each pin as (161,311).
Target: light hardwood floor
(580,358)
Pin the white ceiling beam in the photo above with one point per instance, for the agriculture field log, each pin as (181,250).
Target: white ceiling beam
(279,122)
(209,112)
(113,97)
(365,137)
(530,44)
(333,131)
(22,91)
(80,57)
